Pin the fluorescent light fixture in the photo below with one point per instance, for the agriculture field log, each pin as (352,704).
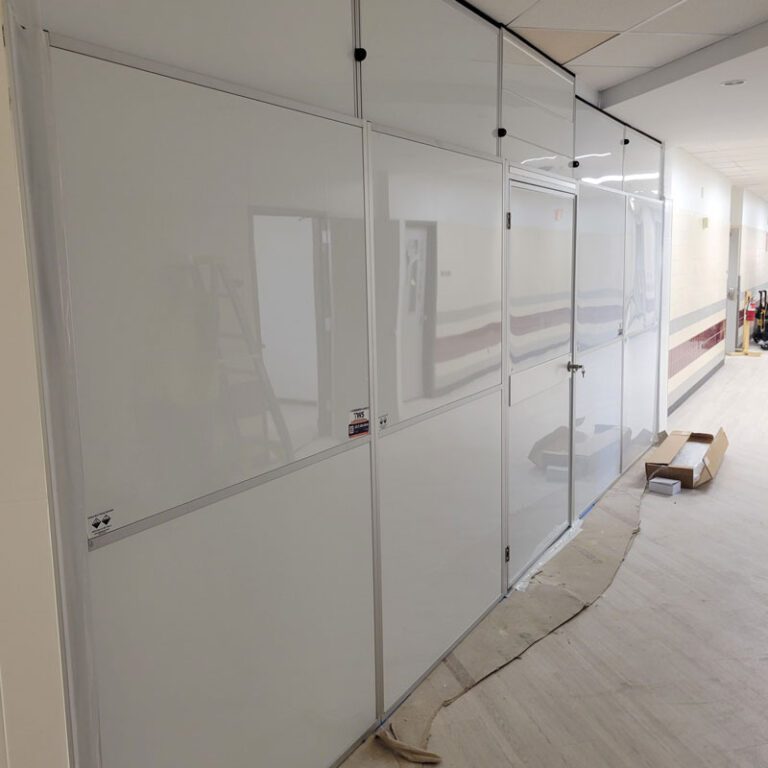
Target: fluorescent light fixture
(736,81)
(594,154)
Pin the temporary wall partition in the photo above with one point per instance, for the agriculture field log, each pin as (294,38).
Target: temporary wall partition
(346,315)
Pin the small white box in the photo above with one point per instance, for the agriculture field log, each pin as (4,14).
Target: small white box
(664,485)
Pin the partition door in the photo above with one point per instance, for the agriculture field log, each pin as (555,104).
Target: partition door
(598,343)
(540,318)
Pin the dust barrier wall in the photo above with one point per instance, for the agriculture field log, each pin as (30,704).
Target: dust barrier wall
(283,296)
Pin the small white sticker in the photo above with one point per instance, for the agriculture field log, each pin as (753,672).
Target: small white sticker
(101,523)
(359,422)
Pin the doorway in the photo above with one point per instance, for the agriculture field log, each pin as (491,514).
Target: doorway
(540,284)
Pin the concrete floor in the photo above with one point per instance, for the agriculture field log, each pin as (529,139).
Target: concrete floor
(669,669)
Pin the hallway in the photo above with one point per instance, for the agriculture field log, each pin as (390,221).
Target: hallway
(670,667)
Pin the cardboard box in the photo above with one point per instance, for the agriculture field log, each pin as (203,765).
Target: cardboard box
(665,461)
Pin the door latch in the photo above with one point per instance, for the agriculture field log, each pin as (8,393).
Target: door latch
(573,367)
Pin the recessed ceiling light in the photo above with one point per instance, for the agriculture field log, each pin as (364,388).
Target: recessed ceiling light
(732,82)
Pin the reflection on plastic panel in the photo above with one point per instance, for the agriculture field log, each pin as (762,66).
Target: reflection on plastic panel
(296,49)
(438,275)
(539,449)
(641,363)
(597,423)
(599,147)
(443,85)
(194,371)
(642,165)
(540,276)
(537,109)
(643,264)
(440,510)
(535,158)
(599,267)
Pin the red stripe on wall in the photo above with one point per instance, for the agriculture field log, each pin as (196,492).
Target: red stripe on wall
(462,344)
(686,353)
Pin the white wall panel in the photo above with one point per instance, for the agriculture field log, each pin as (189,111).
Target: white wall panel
(539,449)
(241,634)
(440,484)
(599,267)
(643,264)
(536,110)
(641,365)
(642,165)
(540,275)
(431,70)
(190,215)
(534,157)
(298,49)
(599,147)
(438,258)
(597,423)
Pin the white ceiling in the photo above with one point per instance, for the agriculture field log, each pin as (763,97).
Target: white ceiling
(610,42)
(726,127)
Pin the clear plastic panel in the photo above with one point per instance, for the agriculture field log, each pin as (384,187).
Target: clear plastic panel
(192,374)
(599,267)
(536,104)
(529,76)
(437,244)
(642,165)
(440,510)
(599,147)
(643,264)
(297,49)
(641,368)
(534,125)
(214,634)
(596,423)
(539,451)
(535,158)
(540,275)
(432,69)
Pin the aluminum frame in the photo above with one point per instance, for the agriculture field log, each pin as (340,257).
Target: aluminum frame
(29,49)
(563,187)
(40,176)
(374,424)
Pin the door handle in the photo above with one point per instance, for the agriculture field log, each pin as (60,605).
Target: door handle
(573,367)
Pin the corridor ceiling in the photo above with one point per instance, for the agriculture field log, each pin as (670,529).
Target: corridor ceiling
(661,65)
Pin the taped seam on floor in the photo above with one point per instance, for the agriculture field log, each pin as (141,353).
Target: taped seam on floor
(565,585)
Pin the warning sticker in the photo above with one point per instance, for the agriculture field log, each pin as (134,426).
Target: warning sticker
(359,422)
(101,523)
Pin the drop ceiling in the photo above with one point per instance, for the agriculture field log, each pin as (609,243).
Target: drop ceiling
(726,127)
(607,43)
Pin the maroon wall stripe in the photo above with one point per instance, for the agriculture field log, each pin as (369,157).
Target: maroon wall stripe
(686,353)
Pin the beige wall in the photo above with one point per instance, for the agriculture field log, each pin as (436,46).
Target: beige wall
(754,242)
(33,727)
(700,242)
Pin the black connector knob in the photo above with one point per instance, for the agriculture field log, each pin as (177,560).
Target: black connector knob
(625,142)
(360,54)
(574,163)
(501,132)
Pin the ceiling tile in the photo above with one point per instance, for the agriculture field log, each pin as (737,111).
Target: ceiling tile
(605,77)
(503,10)
(564,44)
(714,17)
(638,49)
(590,14)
